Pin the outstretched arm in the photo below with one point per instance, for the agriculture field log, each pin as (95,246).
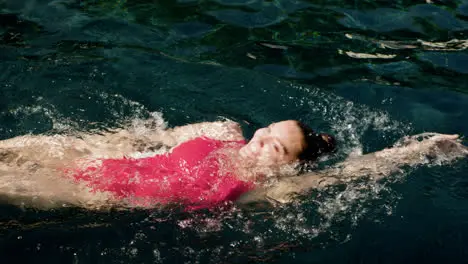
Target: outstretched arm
(221,130)
(60,150)
(428,148)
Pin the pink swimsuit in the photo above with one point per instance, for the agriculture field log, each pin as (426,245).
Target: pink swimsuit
(195,174)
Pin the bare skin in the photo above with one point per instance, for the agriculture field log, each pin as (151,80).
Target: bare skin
(58,151)
(32,167)
(409,151)
(279,143)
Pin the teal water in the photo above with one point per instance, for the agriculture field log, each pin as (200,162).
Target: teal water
(69,66)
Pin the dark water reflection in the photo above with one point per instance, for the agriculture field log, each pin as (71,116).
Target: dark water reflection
(366,71)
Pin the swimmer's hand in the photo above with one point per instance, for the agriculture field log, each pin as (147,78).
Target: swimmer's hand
(430,144)
(425,137)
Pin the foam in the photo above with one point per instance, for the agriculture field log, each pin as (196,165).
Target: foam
(310,218)
(349,121)
(122,111)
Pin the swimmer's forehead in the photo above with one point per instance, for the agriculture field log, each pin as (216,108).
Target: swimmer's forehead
(289,134)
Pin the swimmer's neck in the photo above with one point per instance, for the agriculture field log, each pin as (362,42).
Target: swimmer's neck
(249,170)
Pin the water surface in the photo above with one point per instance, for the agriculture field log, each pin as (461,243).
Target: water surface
(367,71)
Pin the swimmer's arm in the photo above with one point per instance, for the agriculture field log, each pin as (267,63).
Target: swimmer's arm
(375,166)
(220,130)
(431,148)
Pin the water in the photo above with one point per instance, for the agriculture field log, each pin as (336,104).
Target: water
(366,71)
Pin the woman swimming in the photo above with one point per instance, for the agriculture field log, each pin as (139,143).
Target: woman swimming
(210,164)
(204,172)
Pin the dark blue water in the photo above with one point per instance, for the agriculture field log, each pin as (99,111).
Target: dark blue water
(367,71)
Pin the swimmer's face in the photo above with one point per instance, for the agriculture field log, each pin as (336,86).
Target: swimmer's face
(279,143)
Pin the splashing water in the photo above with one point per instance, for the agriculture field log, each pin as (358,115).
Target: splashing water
(313,217)
(119,112)
(317,214)
(349,121)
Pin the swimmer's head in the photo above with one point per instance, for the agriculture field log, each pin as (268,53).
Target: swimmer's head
(316,144)
(286,142)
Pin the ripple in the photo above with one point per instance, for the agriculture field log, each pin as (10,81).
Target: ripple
(419,19)
(191,29)
(265,14)
(379,20)
(119,32)
(284,71)
(267,17)
(456,62)
(462,10)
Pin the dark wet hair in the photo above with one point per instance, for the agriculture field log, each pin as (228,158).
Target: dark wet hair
(316,144)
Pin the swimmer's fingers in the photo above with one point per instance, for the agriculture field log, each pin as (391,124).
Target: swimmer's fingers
(440,137)
(431,136)
(422,136)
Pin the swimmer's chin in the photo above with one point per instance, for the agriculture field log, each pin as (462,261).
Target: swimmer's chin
(252,160)
(247,160)
(247,157)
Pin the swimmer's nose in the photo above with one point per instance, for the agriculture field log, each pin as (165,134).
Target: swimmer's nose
(257,146)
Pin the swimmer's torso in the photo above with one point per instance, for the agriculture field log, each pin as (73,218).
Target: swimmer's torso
(199,172)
